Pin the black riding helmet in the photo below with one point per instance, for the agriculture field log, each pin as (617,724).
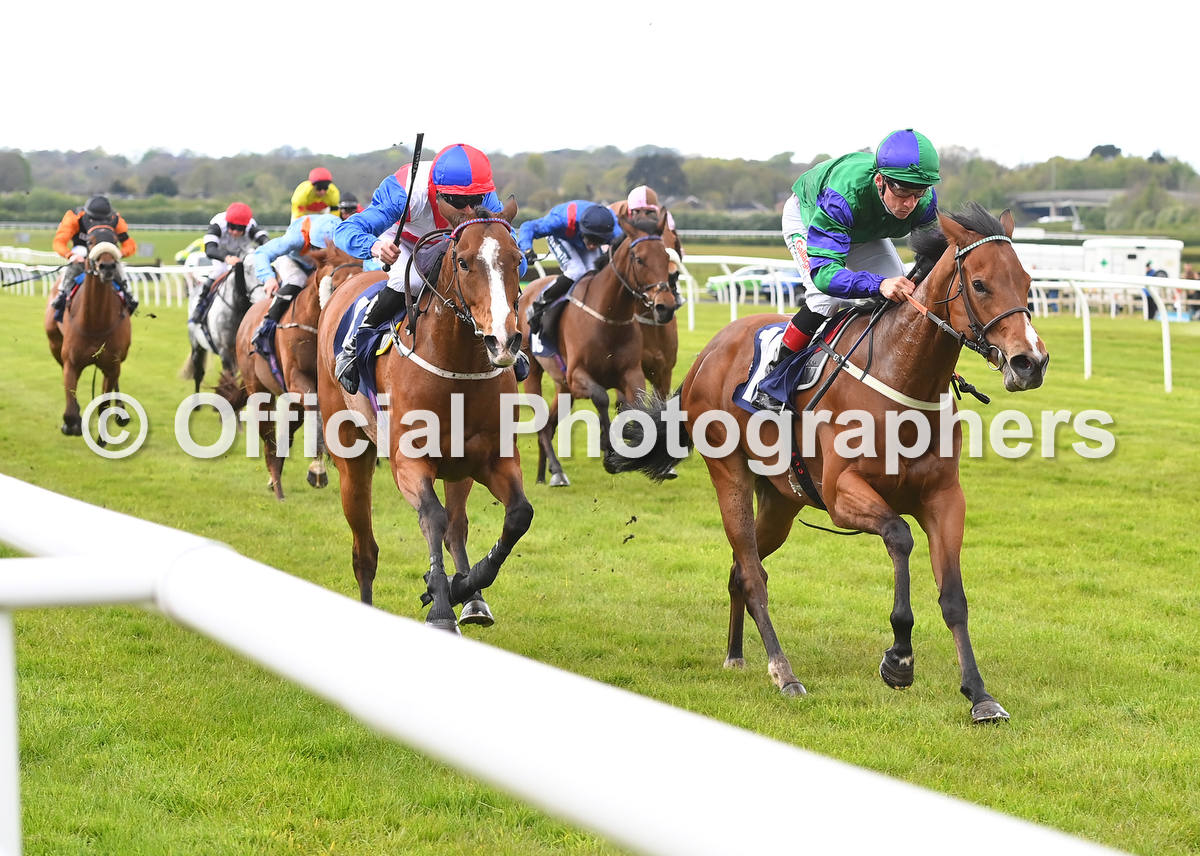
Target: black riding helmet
(349,202)
(98,207)
(597,224)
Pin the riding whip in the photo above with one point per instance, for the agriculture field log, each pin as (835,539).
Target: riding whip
(412,180)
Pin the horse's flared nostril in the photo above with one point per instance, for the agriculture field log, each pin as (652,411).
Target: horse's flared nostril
(514,342)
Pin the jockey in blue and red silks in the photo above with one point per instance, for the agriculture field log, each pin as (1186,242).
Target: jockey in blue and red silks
(461,176)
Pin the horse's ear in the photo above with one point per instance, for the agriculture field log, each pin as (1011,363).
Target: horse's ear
(1006,220)
(449,213)
(662,221)
(626,225)
(954,233)
(510,208)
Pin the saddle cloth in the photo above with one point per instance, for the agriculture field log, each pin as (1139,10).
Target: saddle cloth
(371,342)
(797,373)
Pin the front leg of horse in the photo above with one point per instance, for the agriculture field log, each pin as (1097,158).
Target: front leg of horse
(475,609)
(546,453)
(505,483)
(317,476)
(433,521)
(71,424)
(856,505)
(944,520)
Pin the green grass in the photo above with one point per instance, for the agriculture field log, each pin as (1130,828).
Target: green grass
(140,737)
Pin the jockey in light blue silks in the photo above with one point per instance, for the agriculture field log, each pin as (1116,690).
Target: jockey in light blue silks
(280,266)
(576,233)
(459,174)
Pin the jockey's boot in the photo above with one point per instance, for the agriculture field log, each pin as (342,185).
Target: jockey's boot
(60,303)
(131,302)
(549,294)
(796,336)
(385,305)
(261,337)
(521,367)
(201,301)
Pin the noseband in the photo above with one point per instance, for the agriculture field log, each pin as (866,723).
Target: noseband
(456,302)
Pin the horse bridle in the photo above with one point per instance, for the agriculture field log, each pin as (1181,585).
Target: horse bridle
(979,344)
(456,302)
(647,292)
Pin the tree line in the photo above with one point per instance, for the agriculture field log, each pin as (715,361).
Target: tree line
(1161,195)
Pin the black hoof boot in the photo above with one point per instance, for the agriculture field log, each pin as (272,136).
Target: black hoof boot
(896,671)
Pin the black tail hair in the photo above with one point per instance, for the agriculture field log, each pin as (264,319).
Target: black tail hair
(657,463)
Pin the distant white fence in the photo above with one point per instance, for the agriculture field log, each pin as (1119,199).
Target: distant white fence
(165,285)
(648,776)
(1054,290)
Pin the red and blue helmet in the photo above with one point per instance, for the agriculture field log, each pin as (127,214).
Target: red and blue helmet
(461,170)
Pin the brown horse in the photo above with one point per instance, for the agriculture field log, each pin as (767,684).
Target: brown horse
(455,367)
(95,329)
(660,340)
(598,340)
(984,288)
(296,352)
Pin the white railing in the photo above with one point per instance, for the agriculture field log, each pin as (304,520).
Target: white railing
(1115,292)
(152,286)
(651,777)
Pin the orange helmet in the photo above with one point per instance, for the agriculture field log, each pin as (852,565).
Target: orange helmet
(319,173)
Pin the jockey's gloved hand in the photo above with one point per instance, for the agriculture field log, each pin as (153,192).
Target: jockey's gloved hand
(78,253)
(530,255)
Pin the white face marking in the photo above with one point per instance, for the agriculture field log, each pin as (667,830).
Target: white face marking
(489,252)
(1031,336)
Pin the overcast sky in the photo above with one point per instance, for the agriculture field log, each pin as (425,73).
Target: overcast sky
(1016,82)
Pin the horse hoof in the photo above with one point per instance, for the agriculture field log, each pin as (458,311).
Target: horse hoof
(447,624)
(897,672)
(121,421)
(670,474)
(735,663)
(318,480)
(560,480)
(988,710)
(71,430)
(476,612)
(795,689)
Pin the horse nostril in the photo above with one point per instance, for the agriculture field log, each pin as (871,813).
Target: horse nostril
(514,342)
(491,343)
(1022,365)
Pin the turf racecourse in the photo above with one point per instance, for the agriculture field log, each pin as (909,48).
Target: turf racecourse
(138,737)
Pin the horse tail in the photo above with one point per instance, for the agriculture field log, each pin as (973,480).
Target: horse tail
(672,443)
(232,388)
(189,364)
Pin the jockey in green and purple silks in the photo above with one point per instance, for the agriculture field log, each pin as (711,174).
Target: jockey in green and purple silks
(839,221)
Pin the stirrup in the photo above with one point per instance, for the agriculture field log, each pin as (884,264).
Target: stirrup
(345,369)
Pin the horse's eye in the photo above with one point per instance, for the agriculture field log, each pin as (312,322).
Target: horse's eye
(462,265)
(979,287)
(639,260)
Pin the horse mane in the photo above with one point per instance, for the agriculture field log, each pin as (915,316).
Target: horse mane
(930,242)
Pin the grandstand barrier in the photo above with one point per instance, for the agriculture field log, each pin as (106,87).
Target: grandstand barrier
(650,777)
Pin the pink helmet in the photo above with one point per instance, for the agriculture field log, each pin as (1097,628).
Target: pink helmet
(642,197)
(238,214)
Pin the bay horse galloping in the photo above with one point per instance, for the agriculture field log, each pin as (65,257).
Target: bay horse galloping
(95,329)
(660,338)
(984,289)
(599,343)
(296,354)
(456,365)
